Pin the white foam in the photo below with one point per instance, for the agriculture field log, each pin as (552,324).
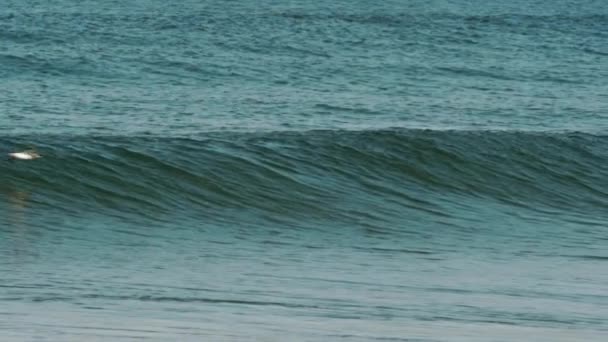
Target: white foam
(25,155)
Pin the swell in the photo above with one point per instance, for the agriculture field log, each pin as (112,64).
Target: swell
(443,20)
(191,43)
(164,26)
(335,175)
(45,27)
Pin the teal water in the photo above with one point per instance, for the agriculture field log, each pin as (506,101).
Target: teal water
(304,171)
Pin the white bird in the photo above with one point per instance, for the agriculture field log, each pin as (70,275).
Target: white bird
(25,155)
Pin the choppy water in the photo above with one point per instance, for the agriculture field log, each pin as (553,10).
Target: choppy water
(304,171)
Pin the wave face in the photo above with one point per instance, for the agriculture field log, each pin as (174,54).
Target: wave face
(341,176)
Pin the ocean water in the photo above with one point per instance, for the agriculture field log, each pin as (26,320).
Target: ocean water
(304,170)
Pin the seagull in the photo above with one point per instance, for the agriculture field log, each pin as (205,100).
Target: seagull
(25,155)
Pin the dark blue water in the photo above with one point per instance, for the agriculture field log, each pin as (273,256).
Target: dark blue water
(304,171)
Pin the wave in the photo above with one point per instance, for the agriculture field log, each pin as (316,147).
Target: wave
(401,19)
(192,44)
(48,27)
(326,175)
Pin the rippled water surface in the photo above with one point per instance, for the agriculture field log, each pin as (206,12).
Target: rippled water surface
(304,171)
